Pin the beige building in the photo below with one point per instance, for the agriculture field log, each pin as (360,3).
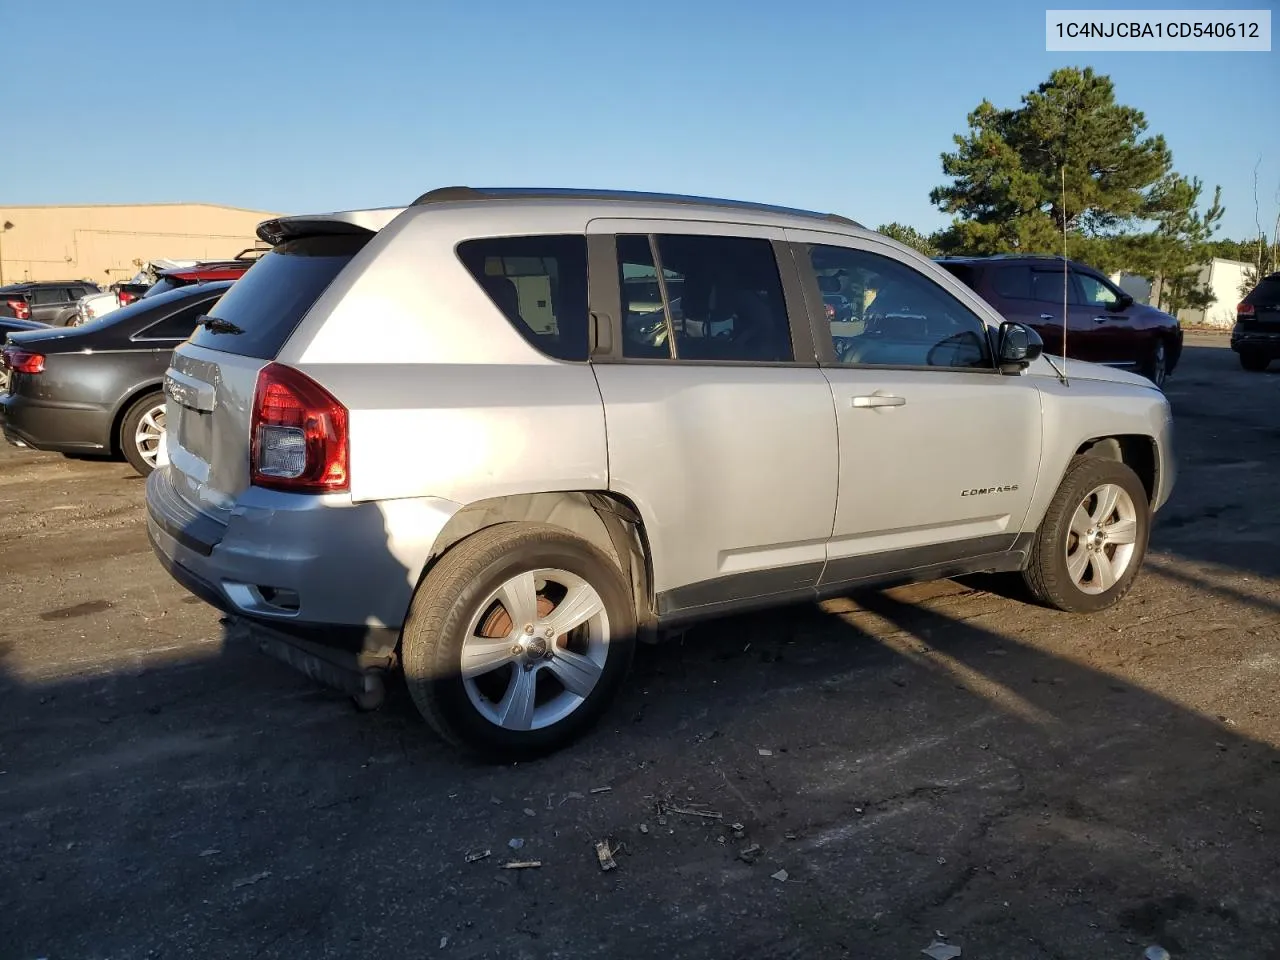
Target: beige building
(109,242)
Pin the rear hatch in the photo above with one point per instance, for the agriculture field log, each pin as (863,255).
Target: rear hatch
(1264,299)
(212,377)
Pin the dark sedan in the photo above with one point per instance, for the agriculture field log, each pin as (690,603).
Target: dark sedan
(98,388)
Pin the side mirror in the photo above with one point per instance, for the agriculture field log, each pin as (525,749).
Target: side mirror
(1017,347)
(1124,302)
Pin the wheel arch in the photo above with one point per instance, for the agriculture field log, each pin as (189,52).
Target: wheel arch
(606,520)
(131,396)
(1136,451)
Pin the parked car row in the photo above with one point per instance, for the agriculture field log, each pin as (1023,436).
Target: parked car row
(52,302)
(98,388)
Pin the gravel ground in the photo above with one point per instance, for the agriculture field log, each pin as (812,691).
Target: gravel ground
(932,759)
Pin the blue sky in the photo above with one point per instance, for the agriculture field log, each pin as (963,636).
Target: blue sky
(841,106)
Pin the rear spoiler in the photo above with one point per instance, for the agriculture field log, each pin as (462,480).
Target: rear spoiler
(280,229)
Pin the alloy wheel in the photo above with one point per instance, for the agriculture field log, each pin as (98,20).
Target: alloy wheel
(1101,539)
(535,649)
(149,433)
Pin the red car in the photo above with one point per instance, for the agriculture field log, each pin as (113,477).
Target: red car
(204,272)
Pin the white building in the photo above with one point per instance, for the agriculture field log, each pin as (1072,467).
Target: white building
(1222,278)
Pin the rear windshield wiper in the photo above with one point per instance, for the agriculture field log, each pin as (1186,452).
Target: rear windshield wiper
(218,325)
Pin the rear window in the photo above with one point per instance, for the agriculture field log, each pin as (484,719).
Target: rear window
(270,300)
(1266,293)
(163,285)
(961,271)
(540,284)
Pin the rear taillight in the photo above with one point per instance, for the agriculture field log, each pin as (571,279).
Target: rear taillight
(23,361)
(298,434)
(1245,310)
(831,312)
(125,299)
(21,309)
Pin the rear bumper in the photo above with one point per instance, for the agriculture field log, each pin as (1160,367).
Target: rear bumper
(321,569)
(1264,342)
(54,426)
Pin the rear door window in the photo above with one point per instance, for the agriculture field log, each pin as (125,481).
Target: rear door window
(540,285)
(44,296)
(1012,282)
(1046,286)
(270,300)
(718,298)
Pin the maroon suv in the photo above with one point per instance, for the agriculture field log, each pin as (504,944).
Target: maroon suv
(1104,324)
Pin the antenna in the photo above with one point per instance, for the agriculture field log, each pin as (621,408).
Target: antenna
(1065,277)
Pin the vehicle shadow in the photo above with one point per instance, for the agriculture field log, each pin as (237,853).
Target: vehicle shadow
(912,766)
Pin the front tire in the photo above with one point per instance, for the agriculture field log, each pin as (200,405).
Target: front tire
(518,640)
(1253,362)
(141,431)
(1093,538)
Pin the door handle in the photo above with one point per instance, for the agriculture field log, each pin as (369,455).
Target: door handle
(878,401)
(1101,319)
(1046,316)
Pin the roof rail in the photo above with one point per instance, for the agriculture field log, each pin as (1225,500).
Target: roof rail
(455,194)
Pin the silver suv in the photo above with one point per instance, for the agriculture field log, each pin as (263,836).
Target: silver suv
(497,436)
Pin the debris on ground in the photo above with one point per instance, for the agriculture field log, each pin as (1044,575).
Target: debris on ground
(604,854)
(522,864)
(515,843)
(765,753)
(941,951)
(211,852)
(249,881)
(781,876)
(572,795)
(601,789)
(495,801)
(530,812)
(1155,952)
(750,854)
(690,812)
(478,855)
(444,942)
(644,828)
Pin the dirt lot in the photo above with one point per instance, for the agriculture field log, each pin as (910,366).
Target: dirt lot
(944,759)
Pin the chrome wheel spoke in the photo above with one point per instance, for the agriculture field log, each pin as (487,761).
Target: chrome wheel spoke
(481,655)
(579,674)
(579,605)
(1108,497)
(1104,571)
(519,597)
(1080,521)
(515,711)
(1077,563)
(1122,532)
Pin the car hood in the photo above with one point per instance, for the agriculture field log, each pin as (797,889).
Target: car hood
(1082,370)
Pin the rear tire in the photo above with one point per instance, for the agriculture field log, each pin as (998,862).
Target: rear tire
(1156,367)
(1093,538)
(141,430)
(482,600)
(1253,362)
